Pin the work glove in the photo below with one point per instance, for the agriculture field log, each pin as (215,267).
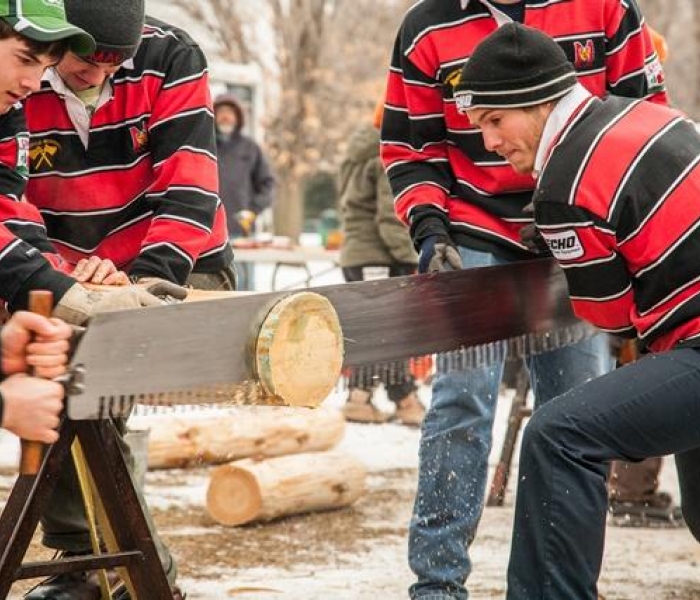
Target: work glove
(80,303)
(438,253)
(162,288)
(531,237)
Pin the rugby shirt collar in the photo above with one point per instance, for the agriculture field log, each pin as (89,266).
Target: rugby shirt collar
(501,17)
(556,122)
(465,3)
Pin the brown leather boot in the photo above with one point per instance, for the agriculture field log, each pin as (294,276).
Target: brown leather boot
(410,411)
(359,408)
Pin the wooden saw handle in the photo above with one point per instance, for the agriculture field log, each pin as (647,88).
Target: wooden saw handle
(41,303)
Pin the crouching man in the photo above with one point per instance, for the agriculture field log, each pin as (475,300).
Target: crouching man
(616,201)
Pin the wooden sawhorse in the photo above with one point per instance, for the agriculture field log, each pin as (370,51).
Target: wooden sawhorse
(135,551)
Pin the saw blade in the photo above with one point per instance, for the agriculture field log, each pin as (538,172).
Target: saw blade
(177,351)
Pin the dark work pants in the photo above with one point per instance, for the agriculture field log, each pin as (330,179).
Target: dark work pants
(645,409)
(64,523)
(396,377)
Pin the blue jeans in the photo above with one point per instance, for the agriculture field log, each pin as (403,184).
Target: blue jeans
(648,408)
(245,276)
(454,451)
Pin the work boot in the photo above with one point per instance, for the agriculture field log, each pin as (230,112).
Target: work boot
(359,408)
(410,411)
(67,586)
(655,511)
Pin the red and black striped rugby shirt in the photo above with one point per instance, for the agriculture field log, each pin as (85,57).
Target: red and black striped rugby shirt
(440,172)
(144,192)
(618,202)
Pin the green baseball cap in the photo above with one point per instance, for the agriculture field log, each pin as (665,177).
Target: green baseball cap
(45,21)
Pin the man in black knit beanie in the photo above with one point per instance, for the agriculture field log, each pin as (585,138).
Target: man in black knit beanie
(615,202)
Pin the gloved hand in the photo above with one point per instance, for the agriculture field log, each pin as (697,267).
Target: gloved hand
(533,240)
(161,287)
(79,303)
(438,253)
(531,236)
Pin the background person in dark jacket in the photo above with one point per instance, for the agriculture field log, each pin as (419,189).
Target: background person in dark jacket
(375,244)
(245,179)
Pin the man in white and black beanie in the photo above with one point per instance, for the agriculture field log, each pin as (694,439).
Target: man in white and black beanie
(517,66)
(117,32)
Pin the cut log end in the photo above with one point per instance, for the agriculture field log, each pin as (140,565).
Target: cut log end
(299,352)
(234,496)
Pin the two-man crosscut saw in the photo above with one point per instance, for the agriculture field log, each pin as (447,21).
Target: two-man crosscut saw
(468,317)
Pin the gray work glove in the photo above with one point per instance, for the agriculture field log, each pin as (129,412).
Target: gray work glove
(438,253)
(531,237)
(80,303)
(161,287)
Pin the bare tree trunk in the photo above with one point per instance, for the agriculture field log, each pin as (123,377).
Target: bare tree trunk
(288,208)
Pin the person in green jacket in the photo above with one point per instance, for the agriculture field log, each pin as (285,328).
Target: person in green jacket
(375,244)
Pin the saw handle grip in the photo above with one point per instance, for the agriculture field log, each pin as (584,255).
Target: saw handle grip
(41,303)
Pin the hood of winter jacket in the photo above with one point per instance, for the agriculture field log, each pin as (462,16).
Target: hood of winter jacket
(232,101)
(363,144)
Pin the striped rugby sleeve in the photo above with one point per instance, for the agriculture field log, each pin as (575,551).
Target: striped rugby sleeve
(414,146)
(22,232)
(184,194)
(21,218)
(633,67)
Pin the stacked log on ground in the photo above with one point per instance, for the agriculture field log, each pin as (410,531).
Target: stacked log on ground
(185,439)
(251,491)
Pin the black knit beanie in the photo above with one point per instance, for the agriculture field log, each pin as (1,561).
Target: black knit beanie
(115,24)
(514,67)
